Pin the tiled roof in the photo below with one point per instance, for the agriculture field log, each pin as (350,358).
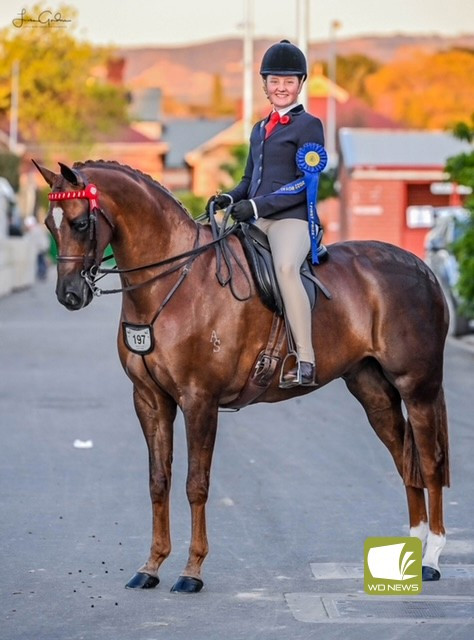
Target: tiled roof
(398,148)
(183,135)
(125,134)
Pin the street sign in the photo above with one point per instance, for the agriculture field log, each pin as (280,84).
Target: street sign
(448,188)
(420,217)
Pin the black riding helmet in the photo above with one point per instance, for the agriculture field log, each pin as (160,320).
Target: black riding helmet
(284,59)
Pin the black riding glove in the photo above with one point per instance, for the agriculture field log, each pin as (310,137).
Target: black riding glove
(220,202)
(242,211)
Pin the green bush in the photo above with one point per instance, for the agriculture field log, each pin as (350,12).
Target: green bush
(464,251)
(461,171)
(194,204)
(10,168)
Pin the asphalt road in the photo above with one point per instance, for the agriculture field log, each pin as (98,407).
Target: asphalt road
(295,486)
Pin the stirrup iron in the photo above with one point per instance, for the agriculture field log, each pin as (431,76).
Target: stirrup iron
(288,384)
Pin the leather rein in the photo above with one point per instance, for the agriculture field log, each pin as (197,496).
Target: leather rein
(92,271)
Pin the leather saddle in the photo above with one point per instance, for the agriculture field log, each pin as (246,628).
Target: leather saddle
(258,253)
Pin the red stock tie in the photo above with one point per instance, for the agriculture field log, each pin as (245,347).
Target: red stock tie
(273,121)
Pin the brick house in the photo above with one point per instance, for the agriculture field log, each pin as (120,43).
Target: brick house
(127,146)
(386,183)
(182,135)
(206,160)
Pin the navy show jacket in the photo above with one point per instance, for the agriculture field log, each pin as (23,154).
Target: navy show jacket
(271,163)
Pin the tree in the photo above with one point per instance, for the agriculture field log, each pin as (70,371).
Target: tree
(352,71)
(427,91)
(63,95)
(461,171)
(236,167)
(220,105)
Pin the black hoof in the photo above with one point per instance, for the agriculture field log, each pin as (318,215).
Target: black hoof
(428,574)
(142,581)
(185,584)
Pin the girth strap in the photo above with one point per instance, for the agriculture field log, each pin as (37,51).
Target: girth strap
(264,368)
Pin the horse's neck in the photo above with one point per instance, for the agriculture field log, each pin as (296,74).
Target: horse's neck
(150,225)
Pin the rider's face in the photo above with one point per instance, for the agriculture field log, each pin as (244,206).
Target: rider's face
(282,91)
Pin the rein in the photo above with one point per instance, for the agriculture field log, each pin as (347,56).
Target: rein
(92,264)
(187,256)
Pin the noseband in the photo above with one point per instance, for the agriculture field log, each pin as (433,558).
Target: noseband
(90,193)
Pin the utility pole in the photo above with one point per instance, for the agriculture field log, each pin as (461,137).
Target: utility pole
(302,26)
(14,101)
(331,98)
(248,69)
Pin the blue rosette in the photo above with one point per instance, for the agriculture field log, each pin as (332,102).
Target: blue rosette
(311,159)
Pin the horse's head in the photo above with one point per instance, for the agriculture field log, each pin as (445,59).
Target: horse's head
(81,230)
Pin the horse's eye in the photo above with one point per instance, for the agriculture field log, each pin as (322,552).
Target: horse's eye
(81,225)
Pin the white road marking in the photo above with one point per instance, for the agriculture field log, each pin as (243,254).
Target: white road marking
(355,570)
(364,609)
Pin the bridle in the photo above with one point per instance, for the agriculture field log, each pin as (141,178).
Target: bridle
(90,262)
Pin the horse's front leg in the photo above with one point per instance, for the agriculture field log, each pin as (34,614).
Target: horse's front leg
(156,415)
(201,426)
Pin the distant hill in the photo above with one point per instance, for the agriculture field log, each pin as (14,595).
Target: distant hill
(188,73)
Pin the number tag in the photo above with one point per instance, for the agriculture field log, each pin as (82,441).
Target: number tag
(138,337)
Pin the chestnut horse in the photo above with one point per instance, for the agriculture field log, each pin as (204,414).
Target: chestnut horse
(383,332)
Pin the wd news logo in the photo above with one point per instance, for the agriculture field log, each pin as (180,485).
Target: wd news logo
(392,566)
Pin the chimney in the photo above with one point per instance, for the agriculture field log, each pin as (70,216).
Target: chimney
(115,70)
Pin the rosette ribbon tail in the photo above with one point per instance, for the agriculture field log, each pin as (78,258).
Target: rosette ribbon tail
(311,159)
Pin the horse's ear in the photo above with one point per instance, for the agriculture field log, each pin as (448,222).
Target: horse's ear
(70,175)
(46,173)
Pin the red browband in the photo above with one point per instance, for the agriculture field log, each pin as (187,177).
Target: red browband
(89,193)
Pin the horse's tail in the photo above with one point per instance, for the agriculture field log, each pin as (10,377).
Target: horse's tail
(411,460)
(412,473)
(442,439)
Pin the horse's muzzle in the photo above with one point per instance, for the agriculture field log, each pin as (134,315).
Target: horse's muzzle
(74,294)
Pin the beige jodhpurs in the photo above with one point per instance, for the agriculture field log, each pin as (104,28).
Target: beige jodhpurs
(290,244)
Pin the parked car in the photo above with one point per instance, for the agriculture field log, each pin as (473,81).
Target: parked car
(449,225)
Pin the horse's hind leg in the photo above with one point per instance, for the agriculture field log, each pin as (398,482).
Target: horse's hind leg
(156,413)
(200,413)
(382,404)
(427,422)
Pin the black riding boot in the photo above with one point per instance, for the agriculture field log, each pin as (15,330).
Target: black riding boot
(302,374)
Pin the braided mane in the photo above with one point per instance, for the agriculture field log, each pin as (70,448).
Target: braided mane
(133,173)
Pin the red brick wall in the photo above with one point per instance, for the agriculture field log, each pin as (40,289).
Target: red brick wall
(373,210)
(376,209)
(329,212)
(419,194)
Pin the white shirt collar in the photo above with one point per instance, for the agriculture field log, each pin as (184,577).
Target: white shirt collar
(282,112)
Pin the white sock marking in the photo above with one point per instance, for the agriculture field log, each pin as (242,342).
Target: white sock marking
(434,546)
(420,531)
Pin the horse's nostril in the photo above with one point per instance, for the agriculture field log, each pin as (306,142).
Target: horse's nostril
(72,300)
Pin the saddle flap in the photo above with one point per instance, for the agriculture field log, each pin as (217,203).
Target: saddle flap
(257,250)
(261,265)
(258,236)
